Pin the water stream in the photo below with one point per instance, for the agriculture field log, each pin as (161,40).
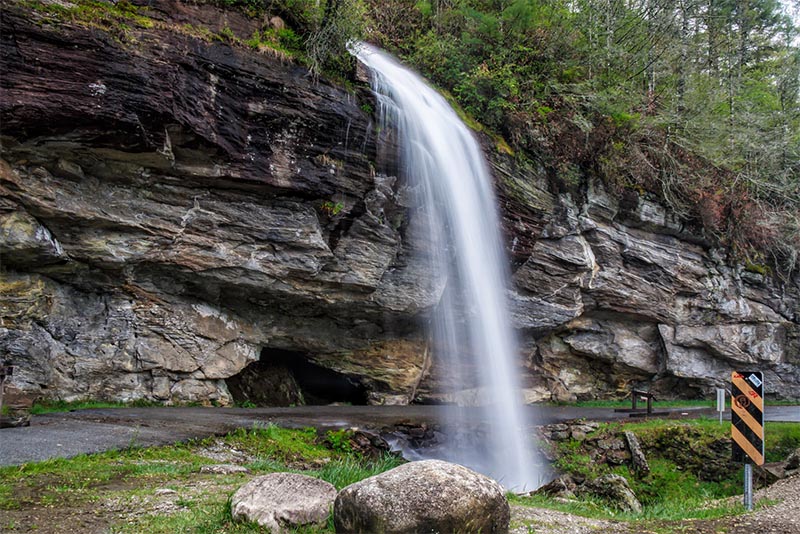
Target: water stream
(472,334)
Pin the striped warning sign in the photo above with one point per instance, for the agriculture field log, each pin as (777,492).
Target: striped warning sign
(747,416)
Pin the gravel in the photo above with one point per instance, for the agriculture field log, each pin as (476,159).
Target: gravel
(542,520)
(781,518)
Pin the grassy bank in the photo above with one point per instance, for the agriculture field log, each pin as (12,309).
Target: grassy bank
(161,489)
(690,477)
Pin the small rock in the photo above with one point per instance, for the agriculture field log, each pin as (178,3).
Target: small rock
(615,490)
(617,457)
(578,435)
(426,496)
(369,444)
(277,23)
(637,455)
(584,427)
(560,487)
(281,501)
(610,444)
(165,491)
(224,469)
(793,461)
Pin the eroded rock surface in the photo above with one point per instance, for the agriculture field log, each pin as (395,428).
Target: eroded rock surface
(174,208)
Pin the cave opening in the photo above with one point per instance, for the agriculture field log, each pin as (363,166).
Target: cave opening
(289,378)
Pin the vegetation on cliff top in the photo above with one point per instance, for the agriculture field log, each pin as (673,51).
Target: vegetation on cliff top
(695,103)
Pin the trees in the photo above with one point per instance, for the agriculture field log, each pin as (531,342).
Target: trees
(703,92)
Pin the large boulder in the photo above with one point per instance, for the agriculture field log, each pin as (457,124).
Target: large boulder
(426,496)
(281,501)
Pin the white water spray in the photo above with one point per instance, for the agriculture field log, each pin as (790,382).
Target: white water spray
(444,164)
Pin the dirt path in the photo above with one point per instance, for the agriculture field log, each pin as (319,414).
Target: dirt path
(782,517)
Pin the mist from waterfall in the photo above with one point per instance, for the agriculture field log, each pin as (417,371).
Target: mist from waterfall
(472,334)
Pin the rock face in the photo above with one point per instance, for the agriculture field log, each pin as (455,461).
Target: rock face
(283,501)
(175,208)
(426,496)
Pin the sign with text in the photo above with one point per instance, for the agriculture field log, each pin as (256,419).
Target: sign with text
(747,416)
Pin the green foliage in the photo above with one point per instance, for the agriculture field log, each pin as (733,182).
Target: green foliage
(117,17)
(339,440)
(345,471)
(326,44)
(331,208)
(226,33)
(253,8)
(780,440)
(695,104)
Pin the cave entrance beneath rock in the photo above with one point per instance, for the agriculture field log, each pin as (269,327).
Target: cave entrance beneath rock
(288,378)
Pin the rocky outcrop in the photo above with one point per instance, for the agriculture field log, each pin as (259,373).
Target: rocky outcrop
(176,207)
(171,206)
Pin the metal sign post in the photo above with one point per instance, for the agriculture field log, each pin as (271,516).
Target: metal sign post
(747,425)
(748,486)
(720,402)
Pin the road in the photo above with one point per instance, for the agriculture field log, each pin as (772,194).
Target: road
(87,431)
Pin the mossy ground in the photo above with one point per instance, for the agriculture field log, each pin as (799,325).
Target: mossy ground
(691,475)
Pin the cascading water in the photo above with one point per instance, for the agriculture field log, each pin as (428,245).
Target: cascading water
(444,165)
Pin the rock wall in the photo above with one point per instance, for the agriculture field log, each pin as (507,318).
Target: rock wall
(614,296)
(174,208)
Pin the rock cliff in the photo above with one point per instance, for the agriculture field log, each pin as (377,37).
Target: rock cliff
(183,217)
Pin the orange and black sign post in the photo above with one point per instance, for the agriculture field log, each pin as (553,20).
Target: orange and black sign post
(747,425)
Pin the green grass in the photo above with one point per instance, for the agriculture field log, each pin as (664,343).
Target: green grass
(55,406)
(697,403)
(781,440)
(119,16)
(349,470)
(288,446)
(132,476)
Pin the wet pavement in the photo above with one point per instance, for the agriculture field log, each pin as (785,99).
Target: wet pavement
(87,431)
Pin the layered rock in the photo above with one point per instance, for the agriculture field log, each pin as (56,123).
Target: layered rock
(633,299)
(174,208)
(171,206)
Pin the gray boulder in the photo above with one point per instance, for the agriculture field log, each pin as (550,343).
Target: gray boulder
(421,497)
(614,489)
(281,501)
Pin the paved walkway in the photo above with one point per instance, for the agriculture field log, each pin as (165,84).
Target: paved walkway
(86,431)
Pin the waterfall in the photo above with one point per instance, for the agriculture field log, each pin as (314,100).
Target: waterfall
(444,167)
